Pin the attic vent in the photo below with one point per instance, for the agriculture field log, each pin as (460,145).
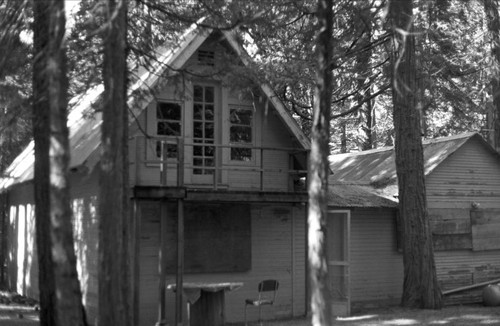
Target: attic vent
(206,58)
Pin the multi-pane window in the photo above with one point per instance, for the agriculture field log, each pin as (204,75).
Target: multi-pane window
(203,129)
(168,117)
(240,132)
(168,123)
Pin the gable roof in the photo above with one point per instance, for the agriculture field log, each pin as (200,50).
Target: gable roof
(85,131)
(375,170)
(368,178)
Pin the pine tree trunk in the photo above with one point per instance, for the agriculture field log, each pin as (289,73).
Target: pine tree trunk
(491,9)
(363,57)
(114,304)
(319,170)
(54,231)
(420,288)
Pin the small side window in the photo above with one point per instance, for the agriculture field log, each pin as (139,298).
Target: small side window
(241,132)
(168,117)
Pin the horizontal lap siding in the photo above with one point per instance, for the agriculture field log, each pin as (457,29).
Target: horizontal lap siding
(465,267)
(376,265)
(271,258)
(472,174)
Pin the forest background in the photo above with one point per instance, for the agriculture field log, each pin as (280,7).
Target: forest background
(455,62)
(431,66)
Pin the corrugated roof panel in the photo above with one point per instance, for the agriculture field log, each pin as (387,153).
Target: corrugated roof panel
(377,167)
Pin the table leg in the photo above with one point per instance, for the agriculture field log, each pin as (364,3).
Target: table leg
(208,310)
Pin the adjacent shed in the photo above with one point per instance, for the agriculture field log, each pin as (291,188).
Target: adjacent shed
(462,175)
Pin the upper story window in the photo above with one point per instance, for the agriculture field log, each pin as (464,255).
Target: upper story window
(203,129)
(168,117)
(168,123)
(240,132)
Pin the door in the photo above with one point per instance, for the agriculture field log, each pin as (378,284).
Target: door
(204,137)
(338,242)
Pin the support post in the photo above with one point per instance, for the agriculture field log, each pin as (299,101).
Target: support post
(136,224)
(180,262)
(261,169)
(162,263)
(180,162)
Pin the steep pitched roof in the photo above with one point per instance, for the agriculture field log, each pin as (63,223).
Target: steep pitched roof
(85,135)
(375,170)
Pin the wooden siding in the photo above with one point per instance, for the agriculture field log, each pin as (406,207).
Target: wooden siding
(376,264)
(470,177)
(268,131)
(23,262)
(471,174)
(278,251)
(465,267)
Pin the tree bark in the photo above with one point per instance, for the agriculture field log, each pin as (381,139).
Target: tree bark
(114,276)
(363,57)
(319,170)
(60,294)
(420,288)
(491,10)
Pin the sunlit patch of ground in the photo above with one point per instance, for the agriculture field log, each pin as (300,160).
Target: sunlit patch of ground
(473,315)
(17,310)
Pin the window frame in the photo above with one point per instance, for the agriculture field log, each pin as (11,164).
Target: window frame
(167,140)
(251,144)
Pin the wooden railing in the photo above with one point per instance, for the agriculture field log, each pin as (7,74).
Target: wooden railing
(169,167)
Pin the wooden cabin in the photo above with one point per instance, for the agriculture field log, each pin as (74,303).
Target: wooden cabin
(215,169)
(462,175)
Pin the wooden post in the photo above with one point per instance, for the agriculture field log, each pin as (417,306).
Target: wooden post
(164,166)
(136,235)
(216,167)
(261,169)
(162,263)
(180,261)
(137,161)
(180,162)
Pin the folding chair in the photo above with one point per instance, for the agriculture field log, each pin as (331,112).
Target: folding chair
(267,295)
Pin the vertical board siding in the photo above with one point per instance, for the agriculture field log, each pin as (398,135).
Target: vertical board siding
(470,175)
(376,265)
(23,268)
(86,237)
(271,258)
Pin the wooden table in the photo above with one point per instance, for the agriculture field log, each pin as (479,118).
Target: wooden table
(206,301)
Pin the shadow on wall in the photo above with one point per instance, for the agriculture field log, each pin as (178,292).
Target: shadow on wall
(21,260)
(86,238)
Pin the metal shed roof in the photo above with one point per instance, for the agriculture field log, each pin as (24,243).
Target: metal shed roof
(368,178)
(377,167)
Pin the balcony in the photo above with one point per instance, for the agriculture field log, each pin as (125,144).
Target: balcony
(172,163)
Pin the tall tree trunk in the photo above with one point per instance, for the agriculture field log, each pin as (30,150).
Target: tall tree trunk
(491,9)
(319,170)
(114,285)
(364,27)
(60,294)
(420,288)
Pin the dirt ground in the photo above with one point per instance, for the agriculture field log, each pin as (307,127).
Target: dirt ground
(471,315)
